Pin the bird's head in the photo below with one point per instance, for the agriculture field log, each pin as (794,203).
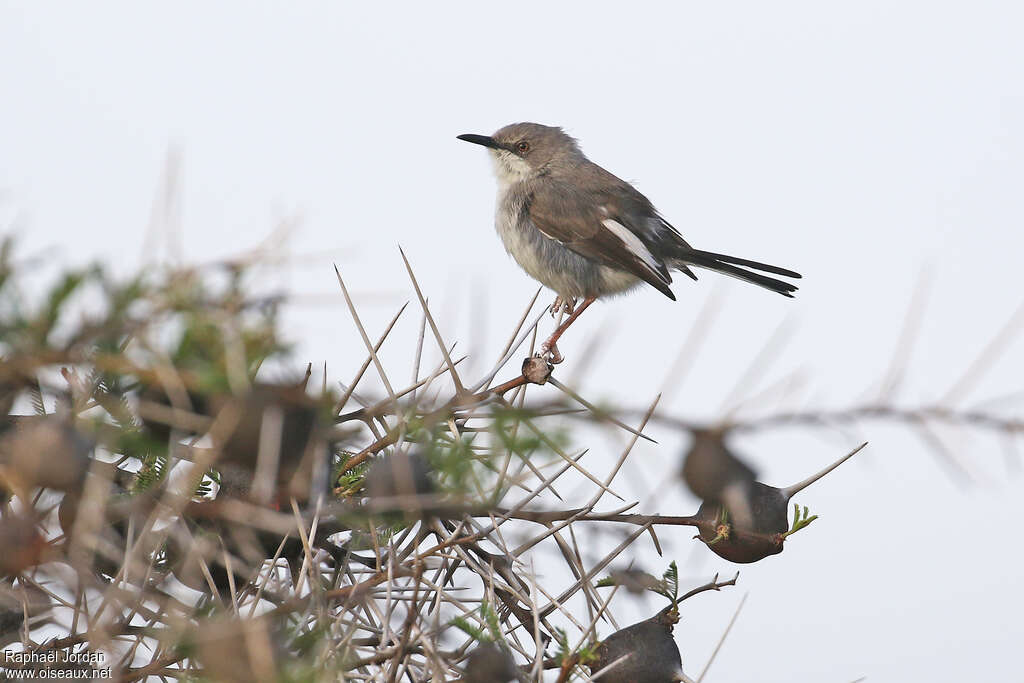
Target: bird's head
(521,150)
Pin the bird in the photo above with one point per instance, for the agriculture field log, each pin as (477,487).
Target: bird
(587,234)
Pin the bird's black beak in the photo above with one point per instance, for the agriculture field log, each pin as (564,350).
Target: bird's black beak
(484,140)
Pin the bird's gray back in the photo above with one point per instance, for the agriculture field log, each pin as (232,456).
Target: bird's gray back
(603,188)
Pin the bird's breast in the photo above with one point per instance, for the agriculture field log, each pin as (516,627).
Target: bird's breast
(521,238)
(548,261)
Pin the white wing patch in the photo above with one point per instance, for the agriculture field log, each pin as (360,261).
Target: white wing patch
(553,239)
(634,245)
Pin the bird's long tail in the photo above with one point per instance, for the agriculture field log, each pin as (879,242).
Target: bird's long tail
(739,268)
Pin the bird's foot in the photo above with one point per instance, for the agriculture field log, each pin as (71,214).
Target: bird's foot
(549,352)
(563,304)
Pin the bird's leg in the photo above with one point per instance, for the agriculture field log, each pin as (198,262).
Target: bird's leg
(549,348)
(566,304)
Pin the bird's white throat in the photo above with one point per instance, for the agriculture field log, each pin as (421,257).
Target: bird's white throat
(509,168)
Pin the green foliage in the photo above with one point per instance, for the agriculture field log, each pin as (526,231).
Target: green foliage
(587,653)
(564,651)
(152,472)
(367,534)
(669,586)
(46,319)
(459,463)
(6,265)
(348,482)
(201,322)
(490,618)
(452,461)
(111,340)
(306,642)
(799,520)
(491,633)
(723,526)
(517,437)
(188,338)
(474,632)
(203,487)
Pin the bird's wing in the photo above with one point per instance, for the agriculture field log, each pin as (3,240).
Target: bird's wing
(596,227)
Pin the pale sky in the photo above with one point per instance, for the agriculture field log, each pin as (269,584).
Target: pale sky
(866,145)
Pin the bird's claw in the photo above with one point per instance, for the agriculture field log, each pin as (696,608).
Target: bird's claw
(550,353)
(563,305)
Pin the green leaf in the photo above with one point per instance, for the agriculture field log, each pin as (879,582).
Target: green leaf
(469,629)
(491,619)
(562,639)
(671,580)
(55,300)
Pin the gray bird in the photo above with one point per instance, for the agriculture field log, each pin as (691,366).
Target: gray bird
(585,233)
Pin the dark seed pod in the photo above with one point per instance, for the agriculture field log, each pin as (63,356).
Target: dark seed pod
(45,452)
(115,510)
(296,463)
(650,652)
(11,619)
(217,544)
(401,475)
(211,546)
(23,546)
(121,512)
(159,429)
(297,413)
(204,538)
(235,482)
(233,650)
(489,663)
(764,534)
(769,510)
(16,603)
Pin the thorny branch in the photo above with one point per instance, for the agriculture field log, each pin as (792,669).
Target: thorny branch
(138,524)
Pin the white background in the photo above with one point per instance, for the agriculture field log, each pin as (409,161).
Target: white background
(871,146)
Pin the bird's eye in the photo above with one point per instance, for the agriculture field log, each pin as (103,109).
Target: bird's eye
(523,146)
